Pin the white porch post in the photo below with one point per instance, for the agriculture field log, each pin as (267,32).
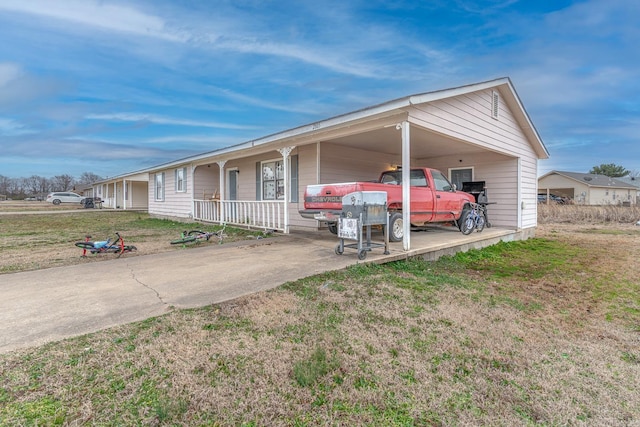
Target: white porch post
(406,185)
(221,164)
(285,151)
(124,194)
(193,190)
(115,194)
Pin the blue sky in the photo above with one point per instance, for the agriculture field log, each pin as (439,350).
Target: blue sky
(115,86)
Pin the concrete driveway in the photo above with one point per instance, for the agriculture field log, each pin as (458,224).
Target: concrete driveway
(52,304)
(47,305)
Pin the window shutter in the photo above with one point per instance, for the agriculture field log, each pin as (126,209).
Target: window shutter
(294,178)
(258,181)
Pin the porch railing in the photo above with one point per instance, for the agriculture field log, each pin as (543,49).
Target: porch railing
(249,213)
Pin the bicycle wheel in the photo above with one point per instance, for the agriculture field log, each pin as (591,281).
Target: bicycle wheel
(85,245)
(480,222)
(185,239)
(467,222)
(127,248)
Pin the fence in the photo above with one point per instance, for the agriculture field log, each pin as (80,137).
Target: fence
(249,213)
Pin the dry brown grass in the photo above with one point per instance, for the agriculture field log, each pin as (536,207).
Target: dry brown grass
(544,332)
(581,214)
(32,238)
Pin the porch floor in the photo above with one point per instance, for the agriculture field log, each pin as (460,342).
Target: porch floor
(430,244)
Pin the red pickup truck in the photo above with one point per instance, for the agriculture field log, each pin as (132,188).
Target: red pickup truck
(433,199)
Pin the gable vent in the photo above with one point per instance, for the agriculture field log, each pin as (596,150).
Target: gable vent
(495,104)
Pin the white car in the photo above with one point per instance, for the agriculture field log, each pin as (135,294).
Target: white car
(64,197)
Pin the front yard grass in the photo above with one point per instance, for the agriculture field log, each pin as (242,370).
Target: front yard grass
(540,332)
(36,241)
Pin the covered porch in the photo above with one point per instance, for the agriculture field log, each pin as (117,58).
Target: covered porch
(129,192)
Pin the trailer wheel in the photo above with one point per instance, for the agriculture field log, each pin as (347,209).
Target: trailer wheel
(396,227)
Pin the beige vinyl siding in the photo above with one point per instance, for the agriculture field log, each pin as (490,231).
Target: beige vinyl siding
(175,204)
(138,195)
(500,175)
(206,181)
(307,174)
(468,117)
(344,164)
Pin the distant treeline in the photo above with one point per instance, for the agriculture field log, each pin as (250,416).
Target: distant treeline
(39,186)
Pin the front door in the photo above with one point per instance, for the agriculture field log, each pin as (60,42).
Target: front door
(232,181)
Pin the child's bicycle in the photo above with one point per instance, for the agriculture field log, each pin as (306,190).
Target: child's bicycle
(473,219)
(196,236)
(115,246)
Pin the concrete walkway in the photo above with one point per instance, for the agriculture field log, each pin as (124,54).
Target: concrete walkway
(47,305)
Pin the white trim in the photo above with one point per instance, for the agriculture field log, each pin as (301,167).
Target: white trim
(184,179)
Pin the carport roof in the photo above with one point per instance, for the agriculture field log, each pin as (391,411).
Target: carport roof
(386,109)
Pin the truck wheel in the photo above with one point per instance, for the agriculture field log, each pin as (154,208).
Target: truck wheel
(333,227)
(396,227)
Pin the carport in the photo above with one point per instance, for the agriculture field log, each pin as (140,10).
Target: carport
(480,132)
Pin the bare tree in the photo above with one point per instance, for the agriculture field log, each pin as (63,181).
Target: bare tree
(5,183)
(89,178)
(62,182)
(36,184)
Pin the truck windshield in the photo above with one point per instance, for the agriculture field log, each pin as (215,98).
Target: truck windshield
(417,178)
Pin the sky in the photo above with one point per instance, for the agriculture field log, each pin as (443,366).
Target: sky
(111,87)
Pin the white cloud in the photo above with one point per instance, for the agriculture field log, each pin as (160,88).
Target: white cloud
(161,120)
(97,14)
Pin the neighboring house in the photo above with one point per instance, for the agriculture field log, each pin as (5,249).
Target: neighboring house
(127,191)
(588,189)
(479,132)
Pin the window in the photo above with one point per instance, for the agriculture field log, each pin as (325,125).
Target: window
(416,178)
(270,180)
(441,183)
(181,181)
(458,176)
(159,186)
(495,104)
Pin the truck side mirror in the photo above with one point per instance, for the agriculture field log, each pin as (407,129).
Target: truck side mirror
(454,187)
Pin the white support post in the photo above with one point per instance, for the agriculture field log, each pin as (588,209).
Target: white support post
(115,194)
(124,194)
(285,151)
(406,185)
(193,190)
(221,164)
